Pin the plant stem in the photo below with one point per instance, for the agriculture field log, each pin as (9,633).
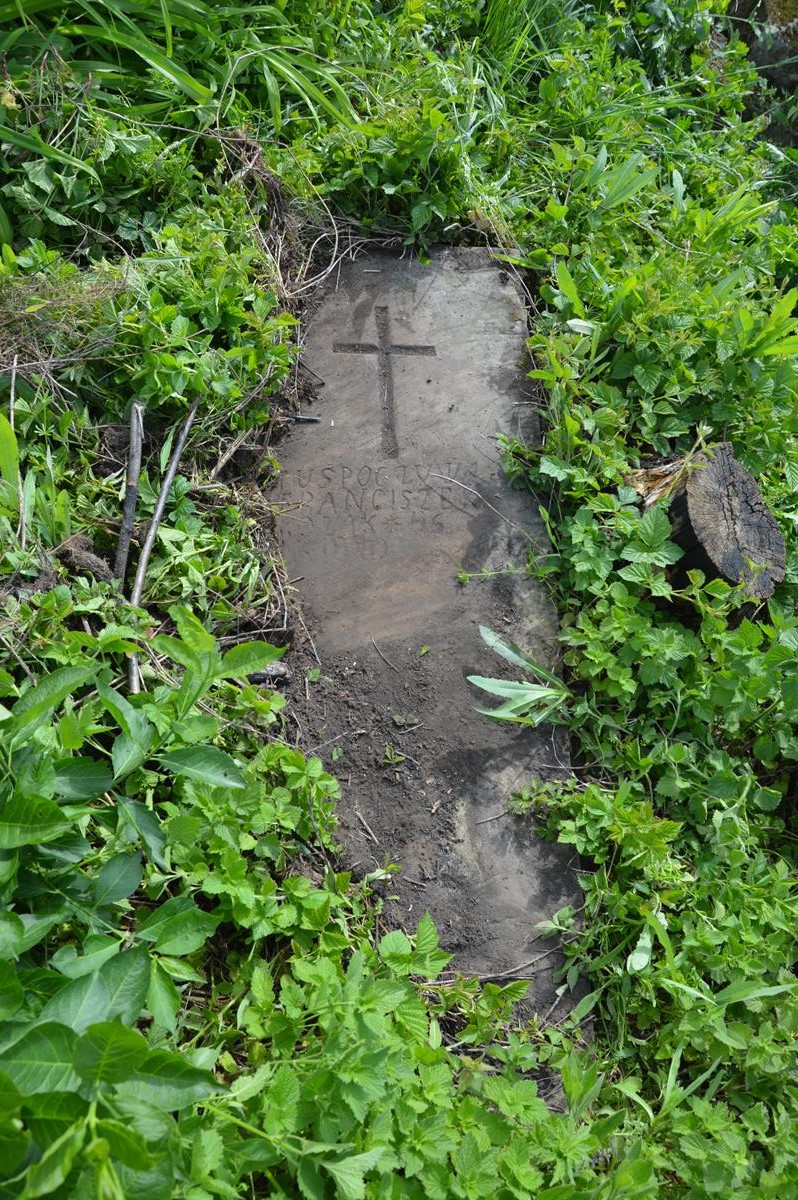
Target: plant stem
(132,490)
(149,541)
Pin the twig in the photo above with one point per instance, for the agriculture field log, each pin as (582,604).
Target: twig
(22,531)
(466,488)
(367,827)
(382,656)
(131,491)
(310,639)
(504,813)
(228,454)
(149,541)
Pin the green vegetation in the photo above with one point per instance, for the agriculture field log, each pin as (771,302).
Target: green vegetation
(195,1002)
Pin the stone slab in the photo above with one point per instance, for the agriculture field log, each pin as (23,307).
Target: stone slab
(394,491)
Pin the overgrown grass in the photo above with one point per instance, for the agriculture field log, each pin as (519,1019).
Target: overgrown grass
(195,1002)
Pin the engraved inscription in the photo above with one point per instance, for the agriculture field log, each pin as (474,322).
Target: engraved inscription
(369,502)
(384,350)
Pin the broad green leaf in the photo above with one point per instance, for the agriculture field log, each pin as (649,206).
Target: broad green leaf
(82,778)
(38,925)
(47,695)
(129,719)
(127,754)
(54,1166)
(640,957)
(14,1147)
(395,950)
(205,763)
(348,1173)
(109,1053)
(178,926)
(247,658)
(126,1145)
(9,454)
(11,992)
(12,932)
(97,949)
(163,998)
(169,1082)
(26,822)
(179,652)
(626,180)
(140,818)
(192,631)
(426,935)
(118,878)
(10,1098)
(567,286)
(41,1061)
(115,991)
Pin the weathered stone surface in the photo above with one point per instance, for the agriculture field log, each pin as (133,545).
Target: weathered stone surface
(396,489)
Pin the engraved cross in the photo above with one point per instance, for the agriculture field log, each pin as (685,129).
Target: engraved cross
(385,350)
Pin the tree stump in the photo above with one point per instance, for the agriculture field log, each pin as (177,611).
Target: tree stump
(719,519)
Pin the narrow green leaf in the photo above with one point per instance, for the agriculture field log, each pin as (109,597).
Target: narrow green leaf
(9,455)
(34,145)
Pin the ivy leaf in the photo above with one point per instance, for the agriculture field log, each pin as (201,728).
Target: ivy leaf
(206,764)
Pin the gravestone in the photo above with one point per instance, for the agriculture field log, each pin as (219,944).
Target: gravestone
(393,494)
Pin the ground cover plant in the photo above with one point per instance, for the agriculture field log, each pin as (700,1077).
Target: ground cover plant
(196,1001)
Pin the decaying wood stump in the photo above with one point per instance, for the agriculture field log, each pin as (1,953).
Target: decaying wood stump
(719,519)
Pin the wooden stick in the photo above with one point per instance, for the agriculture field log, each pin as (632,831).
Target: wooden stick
(131,491)
(149,542)
(387,662)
